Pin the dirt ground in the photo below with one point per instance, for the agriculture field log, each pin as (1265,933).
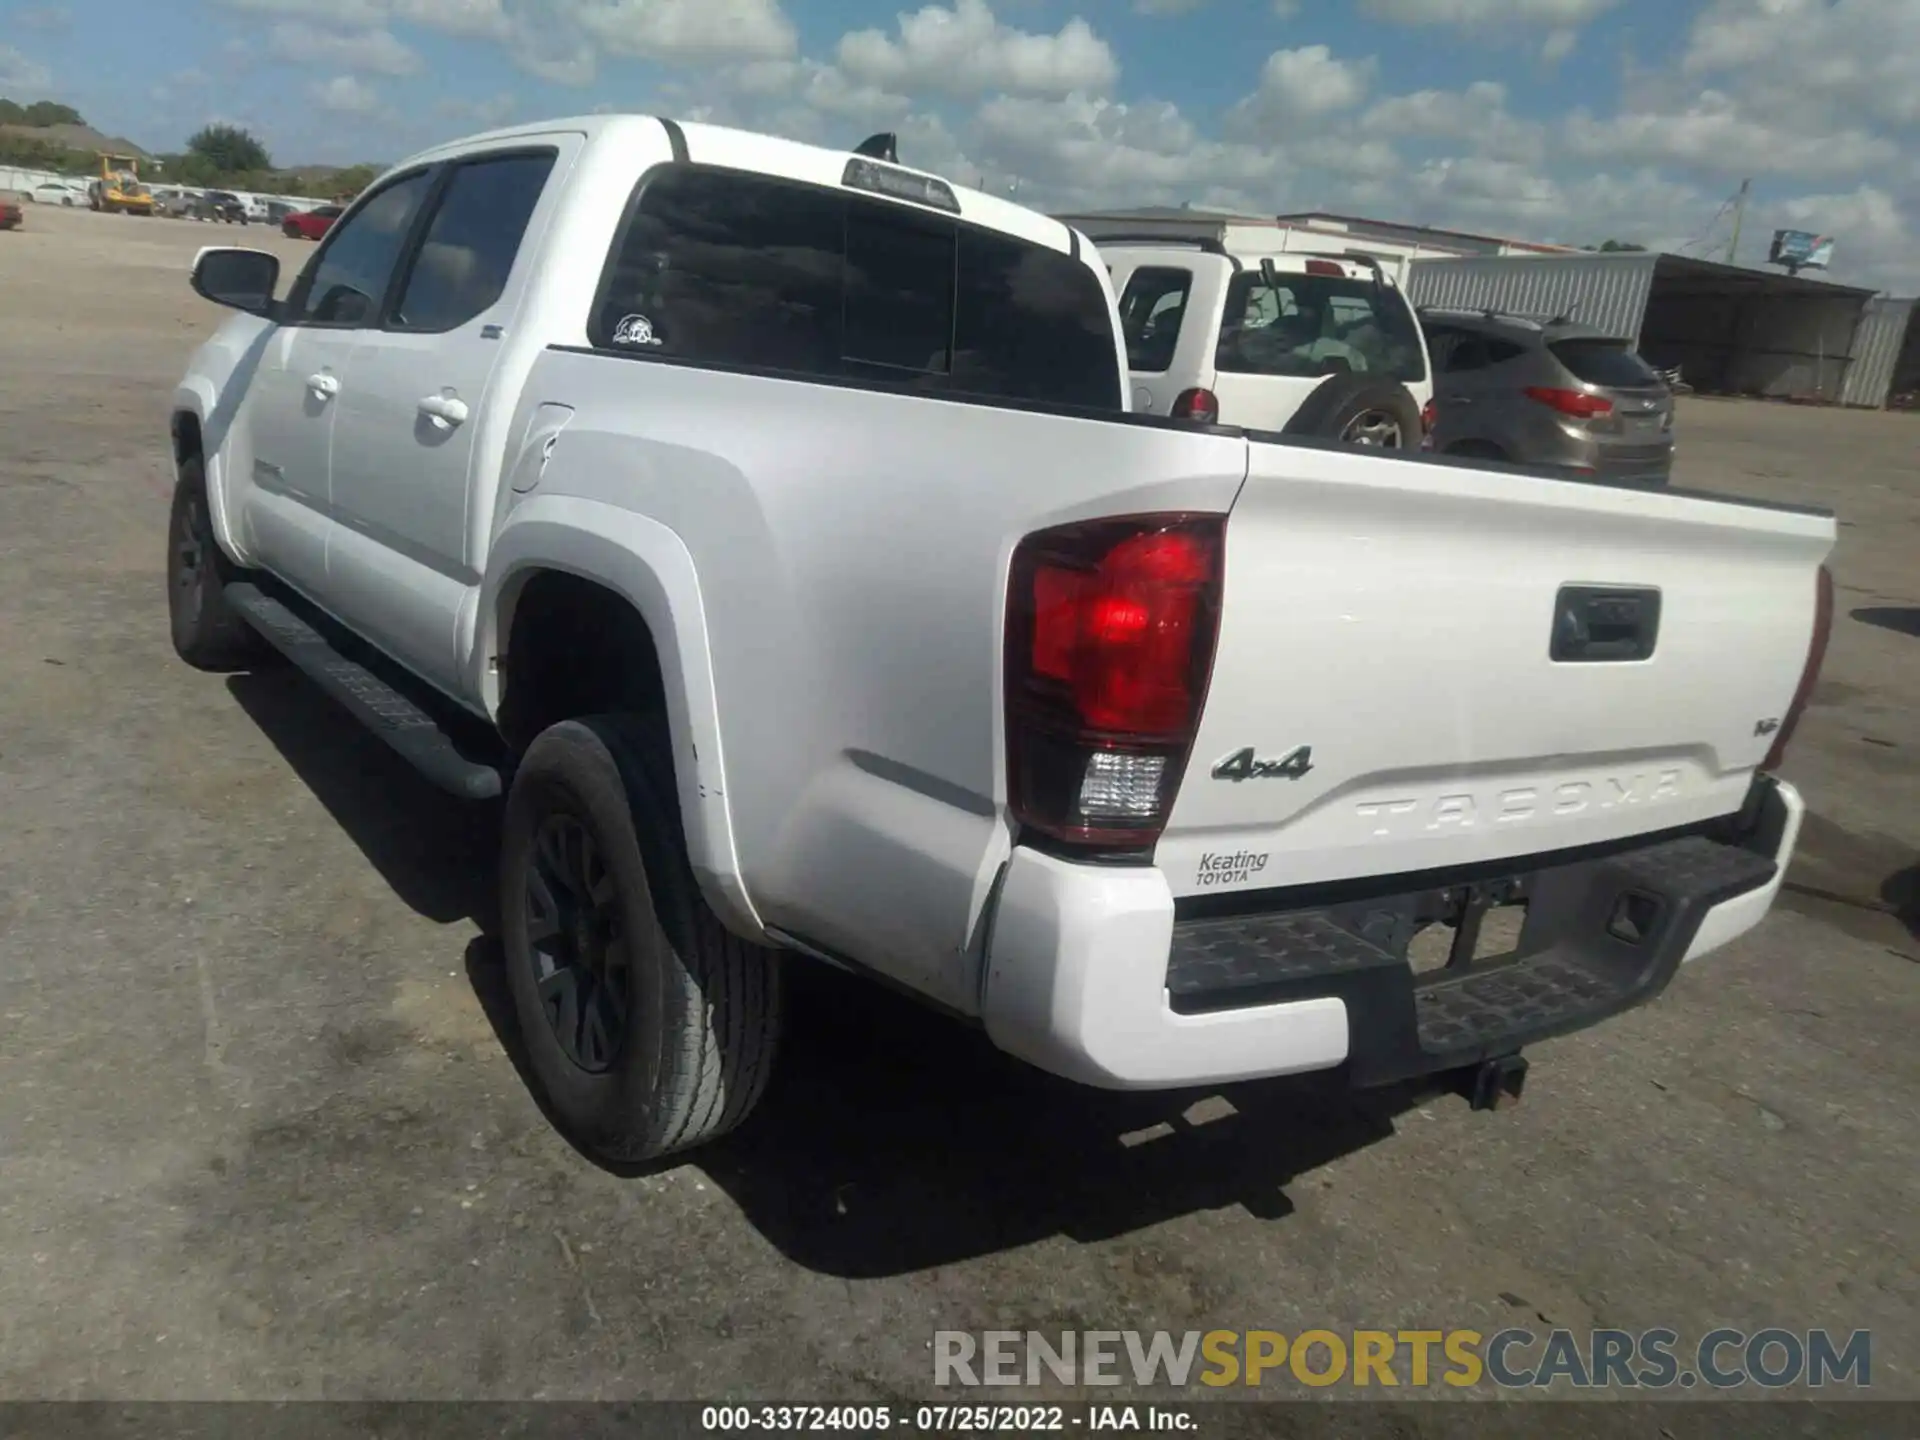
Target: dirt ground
(262,1138)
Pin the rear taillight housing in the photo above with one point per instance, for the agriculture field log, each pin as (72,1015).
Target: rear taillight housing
(1577,403)
(1109,645)
(1429,413)
(1196,404)
(1810,672)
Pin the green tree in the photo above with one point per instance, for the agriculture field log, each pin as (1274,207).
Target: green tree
(229,149)
(1612,247)
(41,113)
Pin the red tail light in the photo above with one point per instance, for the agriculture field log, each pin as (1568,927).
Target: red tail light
(1429,412)
(1810,673)
(1325,267)
(1196,404)
(1576,403)
(1110,636)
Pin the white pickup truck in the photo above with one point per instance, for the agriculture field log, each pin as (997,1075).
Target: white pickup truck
(768,525)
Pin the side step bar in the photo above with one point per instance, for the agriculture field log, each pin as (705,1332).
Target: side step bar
(421,740)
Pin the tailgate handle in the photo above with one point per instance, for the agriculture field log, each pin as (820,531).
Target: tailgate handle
(1604,622)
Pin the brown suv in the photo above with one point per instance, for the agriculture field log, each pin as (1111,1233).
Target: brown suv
(1547,392)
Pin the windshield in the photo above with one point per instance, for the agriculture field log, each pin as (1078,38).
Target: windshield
(1314,325)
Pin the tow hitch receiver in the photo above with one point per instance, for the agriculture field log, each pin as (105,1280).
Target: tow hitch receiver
(1498,1082)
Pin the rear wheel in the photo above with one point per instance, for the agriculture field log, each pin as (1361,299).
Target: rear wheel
(1361,410)
(650,1028)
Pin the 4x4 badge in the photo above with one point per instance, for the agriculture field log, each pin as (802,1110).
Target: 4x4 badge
(1245,765)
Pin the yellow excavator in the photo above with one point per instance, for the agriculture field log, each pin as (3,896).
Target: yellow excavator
(119,189)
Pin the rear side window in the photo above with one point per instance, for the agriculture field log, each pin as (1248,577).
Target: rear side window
(1606,362)
(1151,309)
(463,264)
(1313,325)
(732,269)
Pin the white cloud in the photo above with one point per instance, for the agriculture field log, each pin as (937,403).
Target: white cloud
(51,18)
(486,114)
(1716,133)
(966,50)
(335,14)
(376,52)
(1860,56)
(21,74)
(688,29)
(1487,14)
(480,19)
(1166,7)
(1299,87)
(1558,45)
(1446,113)
(345,95)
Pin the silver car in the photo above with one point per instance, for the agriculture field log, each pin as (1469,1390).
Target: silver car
(1547,392)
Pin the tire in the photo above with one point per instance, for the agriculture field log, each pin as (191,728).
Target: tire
(206,634)
(685,1039)
(1346,405)
(290,231)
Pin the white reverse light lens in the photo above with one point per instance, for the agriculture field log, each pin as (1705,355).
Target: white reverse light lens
(1121,787)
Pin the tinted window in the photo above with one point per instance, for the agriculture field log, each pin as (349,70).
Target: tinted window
(1032,324)
(463,264)
(898,290)
(350,275)
(1314,325)
(1467,352)
(1151,309)
(1501,351)
(743,270)
(1606,362)
(719,269)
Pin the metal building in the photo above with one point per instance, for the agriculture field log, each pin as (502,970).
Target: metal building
(1876,352)
(1728,329)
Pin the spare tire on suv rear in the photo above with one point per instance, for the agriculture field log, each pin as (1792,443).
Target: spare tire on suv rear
(1360,409)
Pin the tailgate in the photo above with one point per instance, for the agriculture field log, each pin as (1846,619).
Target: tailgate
(1385,697)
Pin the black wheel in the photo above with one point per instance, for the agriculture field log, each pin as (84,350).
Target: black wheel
(206,634)
(649,1027)
(1359,409)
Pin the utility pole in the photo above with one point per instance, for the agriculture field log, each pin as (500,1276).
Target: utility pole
(1739,214)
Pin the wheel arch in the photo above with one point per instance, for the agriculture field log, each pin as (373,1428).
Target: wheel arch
(557,553)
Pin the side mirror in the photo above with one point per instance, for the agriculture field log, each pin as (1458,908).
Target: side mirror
(239,279)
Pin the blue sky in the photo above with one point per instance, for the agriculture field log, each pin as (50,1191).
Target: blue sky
(1570,120)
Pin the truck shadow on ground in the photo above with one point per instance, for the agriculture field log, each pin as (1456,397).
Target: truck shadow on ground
(892,1138)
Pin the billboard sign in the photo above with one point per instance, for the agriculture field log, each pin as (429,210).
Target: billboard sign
(1801,250)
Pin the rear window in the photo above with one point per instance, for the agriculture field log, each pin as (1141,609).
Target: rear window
(1313,325)
(726,268)
(1605,362)
(1151,309)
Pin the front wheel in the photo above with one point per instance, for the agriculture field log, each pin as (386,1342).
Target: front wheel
(206,634)
(649,1027)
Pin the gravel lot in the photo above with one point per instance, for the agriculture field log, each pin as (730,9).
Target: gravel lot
(262,1137)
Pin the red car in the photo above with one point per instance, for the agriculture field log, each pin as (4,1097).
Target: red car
(310,224)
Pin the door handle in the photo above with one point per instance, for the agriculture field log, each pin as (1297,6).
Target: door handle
(445,410)
(324,385)
(1457,400)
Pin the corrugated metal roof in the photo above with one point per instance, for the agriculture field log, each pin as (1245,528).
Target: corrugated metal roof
(1876,350)
(1608,292)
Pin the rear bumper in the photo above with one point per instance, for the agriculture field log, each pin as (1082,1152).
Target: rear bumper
(1091,976)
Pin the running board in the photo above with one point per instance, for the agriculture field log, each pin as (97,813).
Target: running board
(419,738)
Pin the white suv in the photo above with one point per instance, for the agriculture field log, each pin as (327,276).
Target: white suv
(1316,345)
